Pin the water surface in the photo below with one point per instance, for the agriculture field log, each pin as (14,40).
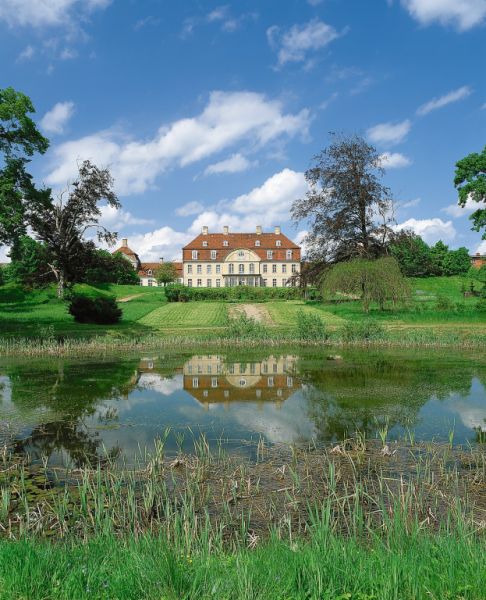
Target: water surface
(74,411)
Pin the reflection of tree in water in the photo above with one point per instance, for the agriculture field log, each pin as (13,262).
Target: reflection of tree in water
(366,394)
(72,391)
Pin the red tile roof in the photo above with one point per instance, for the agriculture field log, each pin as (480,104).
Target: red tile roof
(125,250)
(215,241)
(151,266)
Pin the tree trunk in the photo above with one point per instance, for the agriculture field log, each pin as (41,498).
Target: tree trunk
(60,285)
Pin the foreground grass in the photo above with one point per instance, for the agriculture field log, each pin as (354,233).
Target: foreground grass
(190,315)
(404,565)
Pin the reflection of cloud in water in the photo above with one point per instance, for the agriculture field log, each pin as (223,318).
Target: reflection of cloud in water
(471,409)
(163,385)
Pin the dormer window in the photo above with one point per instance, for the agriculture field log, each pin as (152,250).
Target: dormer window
(257,243)
(149,272)
(194,254)
(278,243)
(225,243)
(205,244)
(289,254)
(213,254)
(270,254)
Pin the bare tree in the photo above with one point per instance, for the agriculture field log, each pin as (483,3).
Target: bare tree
(62,224)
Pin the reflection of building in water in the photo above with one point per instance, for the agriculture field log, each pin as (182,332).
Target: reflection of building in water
(210,379)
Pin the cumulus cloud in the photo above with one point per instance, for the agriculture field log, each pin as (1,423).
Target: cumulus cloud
(228,118)
(47,13)
(394,160)
(449,98)
(294,44)
(389,133)
(431,230)
(118,219)
(26,54)
(191,208)
(234,164)
(163,242)
(411,203)
(461,14)
(56,119)
(456,211)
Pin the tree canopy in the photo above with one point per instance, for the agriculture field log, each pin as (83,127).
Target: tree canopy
(470,181)
(347,208)
(166,273)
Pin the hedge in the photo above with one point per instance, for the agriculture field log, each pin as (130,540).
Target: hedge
(181,293)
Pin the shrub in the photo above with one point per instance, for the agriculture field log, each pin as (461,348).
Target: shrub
(365,330)
(100,310)
(181,293)
(246,328)
(444,303)
(310,326)
(481,305)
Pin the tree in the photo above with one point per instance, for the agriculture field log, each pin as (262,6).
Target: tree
(377,280)
(105,267)
(19,139)
(412,254)
(439,253)
(166,273)
(61,225)
(456,262)
(470,181)
(347,208)
(29,263)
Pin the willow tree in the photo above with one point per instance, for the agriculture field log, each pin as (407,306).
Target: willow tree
(370,281)
(347,209)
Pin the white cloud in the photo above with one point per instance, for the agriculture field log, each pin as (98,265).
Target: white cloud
(26,54)
(118,219)
(191,208)
(462,14)
(435,103)
(294,44)
(163,385)
(43,13)
(411,203)
(394,160)
(68,54)
(56,119)
(163,242)
(228,118)
(234,164)
(456,211)
(389,133)
(431,230)
(481,248)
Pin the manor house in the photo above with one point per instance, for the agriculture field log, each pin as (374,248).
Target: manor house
(230,259)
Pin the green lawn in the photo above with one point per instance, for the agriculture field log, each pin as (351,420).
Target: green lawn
(190,315)
(284,313)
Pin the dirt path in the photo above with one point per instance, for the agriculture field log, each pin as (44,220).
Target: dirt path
(128,298)
(257,312)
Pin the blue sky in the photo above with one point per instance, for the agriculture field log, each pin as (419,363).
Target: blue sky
(208,113)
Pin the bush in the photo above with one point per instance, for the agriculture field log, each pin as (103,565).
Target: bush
(310,326)
(100,310)
(365,330)
(181,293)
(481,305)
(444,303)
(246,328)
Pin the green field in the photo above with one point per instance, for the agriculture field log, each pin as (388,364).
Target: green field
(39,313)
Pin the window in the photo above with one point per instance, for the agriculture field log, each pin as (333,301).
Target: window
(214,382)
(149,283)
(270,254)
(265,268)
(278,243)
(213,254)
(270,381)
(294,268)
(218,282)
(264,283)
(226,393)
(189,269)
(241,254)
(232,268)
(225,243)
(290,382)
(189,283)
(208,283)
(205,393)
(199,283)
(205,244)
(289,254)
(242,382)
(241,268)
(208,269)
(284,268)
(194,254)
(274,283)
(218,268)
(195,382)
(274,268)
(257,243)
(252,268)
(199,269)
(258,393)
(149,272)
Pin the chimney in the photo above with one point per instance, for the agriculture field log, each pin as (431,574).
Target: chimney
(277,230)
(225,230)
(259,229)
(205,230)
(124,243)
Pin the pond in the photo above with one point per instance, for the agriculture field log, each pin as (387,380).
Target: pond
(76,411)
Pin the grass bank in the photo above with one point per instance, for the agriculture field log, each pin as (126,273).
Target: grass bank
(358,520)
